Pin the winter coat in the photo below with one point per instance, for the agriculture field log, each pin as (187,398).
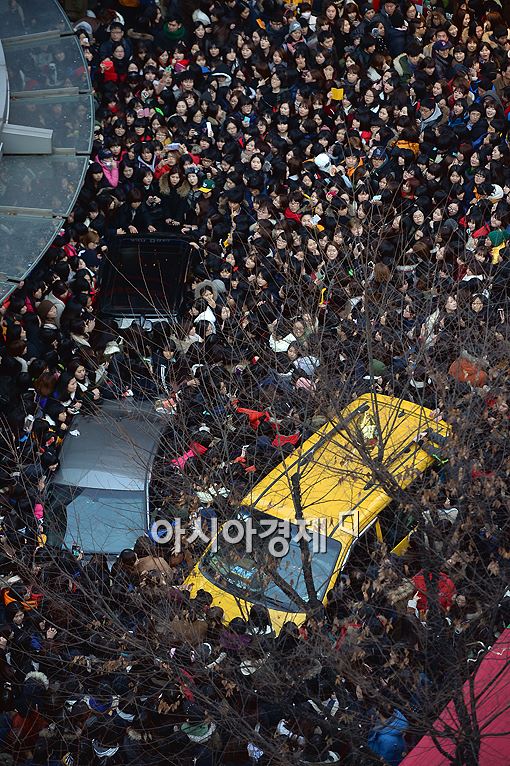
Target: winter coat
(387,739)
(434,119)
(111,173)
(153,564)
(445,587)
(175,205)
(187,632)
(107,48)
(127,216)
(6,672)
(134,750)
(25,729)
(443,67)
(403,68)
(169,373)
(476,133)
(59,305)
(396,37)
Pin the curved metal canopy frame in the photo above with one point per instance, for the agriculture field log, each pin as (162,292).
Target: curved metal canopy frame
(46,131)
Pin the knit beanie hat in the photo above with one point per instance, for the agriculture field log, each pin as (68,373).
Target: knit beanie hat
(43,308)
(498,237)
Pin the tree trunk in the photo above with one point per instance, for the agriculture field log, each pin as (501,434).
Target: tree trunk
(303,544)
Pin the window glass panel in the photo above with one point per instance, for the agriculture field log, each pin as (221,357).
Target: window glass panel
(97,520)
(256,575)
(42,182)
(70,118)
(26,17)
(22,239)
(46,65)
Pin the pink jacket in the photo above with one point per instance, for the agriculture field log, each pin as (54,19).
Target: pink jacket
(112,174)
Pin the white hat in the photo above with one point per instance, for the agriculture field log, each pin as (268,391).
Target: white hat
(111,348)
(199,17)
(207,283)
(496,193)
(227,79)
(85,26)
(323,162)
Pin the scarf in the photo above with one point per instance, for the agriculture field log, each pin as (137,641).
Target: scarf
(351,171)
(195,450)
(176,36)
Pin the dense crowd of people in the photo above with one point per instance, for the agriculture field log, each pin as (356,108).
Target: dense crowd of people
(342,171)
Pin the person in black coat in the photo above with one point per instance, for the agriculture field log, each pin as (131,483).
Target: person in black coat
(132,217)
(175,205)
(395,26)
(117,37)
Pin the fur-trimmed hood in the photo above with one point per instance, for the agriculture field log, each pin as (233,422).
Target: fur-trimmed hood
(164,186)
(35,677)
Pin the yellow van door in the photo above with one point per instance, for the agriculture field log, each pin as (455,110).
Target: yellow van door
(394,527)
(400,548)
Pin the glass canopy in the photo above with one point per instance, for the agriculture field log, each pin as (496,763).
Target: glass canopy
(46,64)
(49,183)
(70,117)
(28,17)
(21,235)
(46,131)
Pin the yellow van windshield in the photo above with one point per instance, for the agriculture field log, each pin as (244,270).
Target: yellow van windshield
(259,575)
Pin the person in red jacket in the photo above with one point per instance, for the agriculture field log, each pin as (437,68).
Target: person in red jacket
(445,587)
(292,210)
(115,69)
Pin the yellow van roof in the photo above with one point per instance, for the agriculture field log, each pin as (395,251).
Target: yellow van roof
(339,466)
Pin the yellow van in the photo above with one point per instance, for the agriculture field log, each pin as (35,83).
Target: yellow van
(335,504)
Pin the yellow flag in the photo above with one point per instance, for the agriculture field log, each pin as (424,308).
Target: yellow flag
(336,94)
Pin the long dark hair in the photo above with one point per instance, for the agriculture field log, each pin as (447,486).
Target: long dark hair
(61,391)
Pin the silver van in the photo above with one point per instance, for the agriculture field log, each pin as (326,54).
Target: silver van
(98,499)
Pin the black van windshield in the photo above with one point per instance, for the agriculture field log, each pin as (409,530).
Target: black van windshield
(259,576)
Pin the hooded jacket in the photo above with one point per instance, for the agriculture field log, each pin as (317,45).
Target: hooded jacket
(59,305)
(387,739)
(434,118)
(111,172)
(175,205)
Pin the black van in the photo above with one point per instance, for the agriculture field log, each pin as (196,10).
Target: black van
(143,278)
